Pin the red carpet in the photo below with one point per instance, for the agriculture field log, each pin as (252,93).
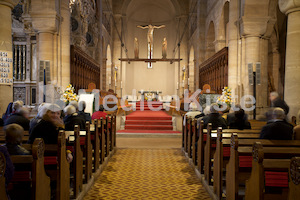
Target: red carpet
(148,121)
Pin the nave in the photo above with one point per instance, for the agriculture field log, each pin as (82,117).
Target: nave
(135,173)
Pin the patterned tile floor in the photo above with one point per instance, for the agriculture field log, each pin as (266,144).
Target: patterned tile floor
(148,174)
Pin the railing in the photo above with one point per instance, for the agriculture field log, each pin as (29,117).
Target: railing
(19,62)
(214,71)
(84,69)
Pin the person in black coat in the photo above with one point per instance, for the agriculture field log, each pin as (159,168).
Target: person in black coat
(19,117)
(215,118)
(48,127)
(239,121)
(85,116)
(277,102)
(277,128)
(72,118)
(13,138)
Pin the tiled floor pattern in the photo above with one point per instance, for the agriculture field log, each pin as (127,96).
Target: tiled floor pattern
(148,174)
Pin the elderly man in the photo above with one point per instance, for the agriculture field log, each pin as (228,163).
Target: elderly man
(215,118)
(277,128)
(19,117)
(277,102)
(72,118)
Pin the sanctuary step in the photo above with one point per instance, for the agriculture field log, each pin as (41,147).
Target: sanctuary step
(148,120)
(148,105)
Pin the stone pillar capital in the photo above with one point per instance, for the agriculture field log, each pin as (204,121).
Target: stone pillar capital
(253,26)
(39,25)
(9,3)
(288,6)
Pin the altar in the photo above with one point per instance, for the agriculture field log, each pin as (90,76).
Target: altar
(149,95)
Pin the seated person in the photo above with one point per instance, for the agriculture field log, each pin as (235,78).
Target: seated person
(41,111)
(231,116)
(224,111)
(82,114)
(13,138)
(75,104)
(193,111)
(297,128)
(239,122)
(9,169)
(277,128)
(99,114)
(49,126)
(19,117)
(8,111)
(215,118)
(72,118)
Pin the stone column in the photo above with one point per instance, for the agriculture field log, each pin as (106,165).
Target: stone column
(45,21)
(6,45)
(292,62)
(233,46)
(65,44)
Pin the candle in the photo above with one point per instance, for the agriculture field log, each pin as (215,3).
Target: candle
(177,85)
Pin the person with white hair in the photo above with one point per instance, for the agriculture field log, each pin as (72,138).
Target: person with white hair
(277,128)
(75,104)
(72,118)
(214,118)
(193,112)
(276,101)
(19,117)
(49,126)
(42,109)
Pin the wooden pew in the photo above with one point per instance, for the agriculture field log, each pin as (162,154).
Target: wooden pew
(88,153)
(78,163)
(240,163)
(40,182)
(96,144)
(269,171)
(2,178)
(107,135)
(221,157)
(294,175)
(257,125)
(210,147)
(200,147)
(185,134)
(189,136)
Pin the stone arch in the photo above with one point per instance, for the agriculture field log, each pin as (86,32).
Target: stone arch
(191,68)
(108,68)
(222,39)
(210,40)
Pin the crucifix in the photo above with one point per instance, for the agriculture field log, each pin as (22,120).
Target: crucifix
(150,28)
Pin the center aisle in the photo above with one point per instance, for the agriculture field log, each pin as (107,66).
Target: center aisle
(148,174)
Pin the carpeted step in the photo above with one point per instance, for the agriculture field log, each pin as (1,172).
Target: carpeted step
(148,122)
(148,118)
(148,127)
(148,131)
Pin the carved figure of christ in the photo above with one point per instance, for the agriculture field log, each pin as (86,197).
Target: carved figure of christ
(150,28)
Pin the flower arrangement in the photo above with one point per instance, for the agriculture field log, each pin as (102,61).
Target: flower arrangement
(69,95)
(225,97)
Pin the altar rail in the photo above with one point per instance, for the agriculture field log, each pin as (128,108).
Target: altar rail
(84,69)
(214,71)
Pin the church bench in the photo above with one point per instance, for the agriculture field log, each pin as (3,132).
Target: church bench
(239,166)
(294,177)
(257,125)
(222,155)
(201,138)
(269,172)
(2,178)
(210,147)
(29,169)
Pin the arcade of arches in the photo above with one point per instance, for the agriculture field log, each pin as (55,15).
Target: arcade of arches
(213,42)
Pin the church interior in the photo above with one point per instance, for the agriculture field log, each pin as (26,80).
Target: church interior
(160,99)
